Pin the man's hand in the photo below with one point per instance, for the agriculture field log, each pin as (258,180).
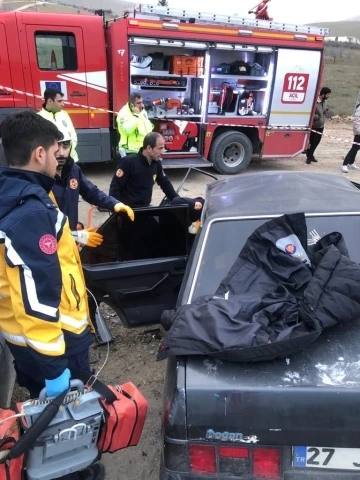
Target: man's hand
(88,237)
(136,110)
(58,385)
(120,207)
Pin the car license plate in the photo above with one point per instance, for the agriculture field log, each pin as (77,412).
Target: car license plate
(326,457)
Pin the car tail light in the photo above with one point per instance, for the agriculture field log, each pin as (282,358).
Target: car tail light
(234,461)
(266,463)
(202,459)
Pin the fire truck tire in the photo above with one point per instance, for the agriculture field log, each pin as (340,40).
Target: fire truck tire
(231,152)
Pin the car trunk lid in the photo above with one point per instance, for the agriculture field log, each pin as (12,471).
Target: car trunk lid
(309,398)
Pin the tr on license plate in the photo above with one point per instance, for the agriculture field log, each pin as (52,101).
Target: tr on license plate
(326,457)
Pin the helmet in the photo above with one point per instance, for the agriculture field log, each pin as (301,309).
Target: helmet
(65,135)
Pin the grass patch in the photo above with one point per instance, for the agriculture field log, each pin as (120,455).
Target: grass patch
(52,8)
(343,77)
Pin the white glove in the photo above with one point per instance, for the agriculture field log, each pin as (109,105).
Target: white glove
(86,237)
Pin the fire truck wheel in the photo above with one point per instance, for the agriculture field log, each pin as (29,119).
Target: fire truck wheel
(231,152)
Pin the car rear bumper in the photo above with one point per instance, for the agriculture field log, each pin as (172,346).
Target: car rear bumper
(313,475)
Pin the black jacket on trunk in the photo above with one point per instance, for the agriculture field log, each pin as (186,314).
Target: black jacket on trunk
(276,299)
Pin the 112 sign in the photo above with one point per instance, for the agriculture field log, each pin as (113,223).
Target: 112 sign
(295,87)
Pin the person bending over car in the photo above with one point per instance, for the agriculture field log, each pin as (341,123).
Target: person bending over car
(136,175)
(70,183)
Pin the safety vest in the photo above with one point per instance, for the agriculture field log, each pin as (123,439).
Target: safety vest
(133,129)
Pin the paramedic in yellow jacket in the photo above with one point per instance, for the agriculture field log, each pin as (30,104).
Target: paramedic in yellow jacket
(43,301)
(53,110)
(133,124)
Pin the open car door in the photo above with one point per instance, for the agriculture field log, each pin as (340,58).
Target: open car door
(139,267)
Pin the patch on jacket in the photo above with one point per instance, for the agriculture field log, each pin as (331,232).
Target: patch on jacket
(64,123)
(119,172)
(292,246)
(48,244)
(74,183)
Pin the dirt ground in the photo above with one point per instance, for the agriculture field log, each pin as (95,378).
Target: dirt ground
(133,354)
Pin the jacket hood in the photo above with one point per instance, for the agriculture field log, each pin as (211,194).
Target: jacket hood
(17,185)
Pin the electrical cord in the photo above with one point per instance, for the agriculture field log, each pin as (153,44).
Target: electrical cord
(95,377)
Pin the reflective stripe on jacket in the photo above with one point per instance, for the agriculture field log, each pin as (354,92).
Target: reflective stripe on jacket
(42,289)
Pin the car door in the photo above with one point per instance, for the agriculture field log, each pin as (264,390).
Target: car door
(6,97)
(57,60)
(140,265)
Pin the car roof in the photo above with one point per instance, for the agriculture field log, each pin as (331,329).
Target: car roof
(279,192)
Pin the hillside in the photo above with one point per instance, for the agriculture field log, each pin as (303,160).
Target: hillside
(342,29)
(68,6)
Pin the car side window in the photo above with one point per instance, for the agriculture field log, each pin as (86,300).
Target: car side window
(155,233)
(56,51)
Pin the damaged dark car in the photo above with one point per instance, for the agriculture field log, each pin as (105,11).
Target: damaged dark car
(263,362)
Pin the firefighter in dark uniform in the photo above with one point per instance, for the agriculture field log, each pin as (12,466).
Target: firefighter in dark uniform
(69,184)
(136,175)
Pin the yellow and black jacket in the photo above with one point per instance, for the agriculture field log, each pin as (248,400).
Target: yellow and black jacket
(43,300)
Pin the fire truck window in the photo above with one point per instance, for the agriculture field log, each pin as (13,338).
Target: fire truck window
(56,51)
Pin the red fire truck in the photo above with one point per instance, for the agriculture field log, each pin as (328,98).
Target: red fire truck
(221,90)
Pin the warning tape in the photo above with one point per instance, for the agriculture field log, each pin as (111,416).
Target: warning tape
(87,107)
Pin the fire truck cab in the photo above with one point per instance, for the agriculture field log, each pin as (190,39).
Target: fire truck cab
(219,89)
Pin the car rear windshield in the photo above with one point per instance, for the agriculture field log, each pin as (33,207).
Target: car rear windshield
(226,239)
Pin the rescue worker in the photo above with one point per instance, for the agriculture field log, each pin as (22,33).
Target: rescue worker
(70,183)
(136,175)
(43,301)
(133,124)
(53,110)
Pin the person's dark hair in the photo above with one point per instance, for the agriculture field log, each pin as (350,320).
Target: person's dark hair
(22,133)
(151,139)
(50,94)
(325,91)
(133,96)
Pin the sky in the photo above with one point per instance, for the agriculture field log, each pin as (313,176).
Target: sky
(286,11)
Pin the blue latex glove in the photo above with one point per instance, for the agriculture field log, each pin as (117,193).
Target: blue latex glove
(58,385)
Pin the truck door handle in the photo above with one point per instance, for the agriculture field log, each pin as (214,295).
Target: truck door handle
(3,92)
(77,94)
(139,291)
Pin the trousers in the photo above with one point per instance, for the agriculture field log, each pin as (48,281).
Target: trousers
(315,139)
(351,155)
